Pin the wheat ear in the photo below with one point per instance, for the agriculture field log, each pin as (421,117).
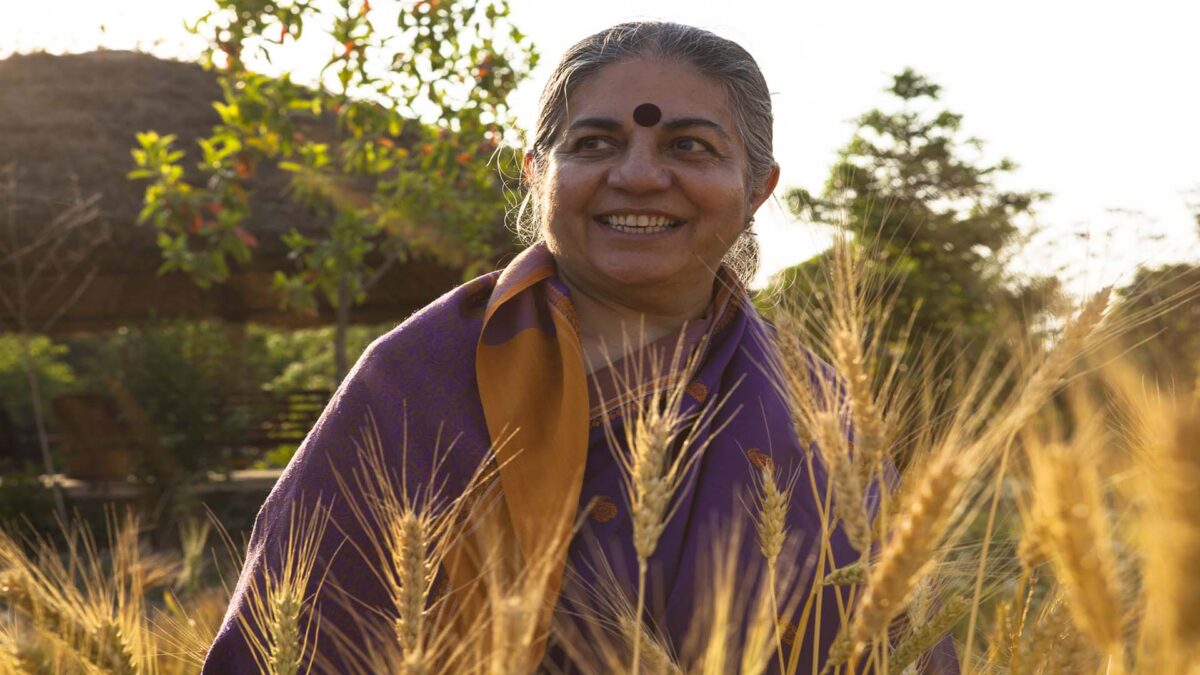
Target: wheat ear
(415,578)
(193,537)
(928,634)
(870,435)
(410,526)
(911,548)
(844,480)
(93,611)
(770,522)
(1171,536)
(655,659)
(11,662)
(280,604)
(1069,510)
(848,575)
(517,605)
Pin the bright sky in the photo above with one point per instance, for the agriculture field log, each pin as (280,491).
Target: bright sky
(1096,101)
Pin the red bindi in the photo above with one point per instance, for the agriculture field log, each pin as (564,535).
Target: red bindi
(647,114)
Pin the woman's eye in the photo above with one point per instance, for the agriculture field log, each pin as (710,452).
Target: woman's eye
(593,143)
(690,145)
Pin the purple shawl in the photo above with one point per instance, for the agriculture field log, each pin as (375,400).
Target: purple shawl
(420,384)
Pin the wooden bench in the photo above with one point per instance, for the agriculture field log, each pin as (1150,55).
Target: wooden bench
(276,419)
(102,434)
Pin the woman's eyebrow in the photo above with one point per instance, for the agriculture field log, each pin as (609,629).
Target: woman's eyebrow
(684,122)
(603,123)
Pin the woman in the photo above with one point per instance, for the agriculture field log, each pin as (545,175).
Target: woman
(652,153)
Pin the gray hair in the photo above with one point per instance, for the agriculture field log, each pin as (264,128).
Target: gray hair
(716,57)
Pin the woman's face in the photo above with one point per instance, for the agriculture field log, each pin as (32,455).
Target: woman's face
(632,208)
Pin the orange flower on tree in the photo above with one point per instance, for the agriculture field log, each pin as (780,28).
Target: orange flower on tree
(198,224)
(245,237)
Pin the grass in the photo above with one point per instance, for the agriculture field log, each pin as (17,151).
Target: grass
(1047,520)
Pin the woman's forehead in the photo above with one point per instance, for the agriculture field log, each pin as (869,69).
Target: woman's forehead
(645,92)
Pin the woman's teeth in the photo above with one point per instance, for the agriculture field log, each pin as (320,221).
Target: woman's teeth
(639,224)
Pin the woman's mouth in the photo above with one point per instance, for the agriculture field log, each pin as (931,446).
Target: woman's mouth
(639,224)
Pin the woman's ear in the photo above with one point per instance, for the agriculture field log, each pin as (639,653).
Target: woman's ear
(764,190)
(528,168)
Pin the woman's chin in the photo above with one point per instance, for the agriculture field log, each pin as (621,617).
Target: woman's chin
(641,272)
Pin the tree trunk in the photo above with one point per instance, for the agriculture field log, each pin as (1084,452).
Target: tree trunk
(35,392)
(343,324)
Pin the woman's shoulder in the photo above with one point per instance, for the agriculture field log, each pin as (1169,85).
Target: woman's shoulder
(453,319)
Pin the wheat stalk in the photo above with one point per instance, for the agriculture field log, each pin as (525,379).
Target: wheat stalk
(770,523)
(1029,552)
(663,440)
(1017,411)
(596,625)
(734,607)
(93,610)
(281,604)
(410,528)
(517,604)
(762,636)
(1047,377)
(185,628)
(1070,654)
(193,537)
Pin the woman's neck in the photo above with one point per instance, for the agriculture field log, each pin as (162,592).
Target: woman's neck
(610,329)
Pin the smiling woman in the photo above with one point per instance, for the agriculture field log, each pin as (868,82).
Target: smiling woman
(639,212)
(614,375)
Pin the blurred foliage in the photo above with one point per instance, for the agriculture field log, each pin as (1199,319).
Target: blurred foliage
(1161,308)
(56,376)
(415,93)
(302,359)
(184,375)
(910,187)
(25,501)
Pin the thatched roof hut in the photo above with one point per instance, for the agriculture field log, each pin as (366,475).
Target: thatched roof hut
(69,122)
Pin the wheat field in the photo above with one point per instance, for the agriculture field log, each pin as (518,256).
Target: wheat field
(1045,518)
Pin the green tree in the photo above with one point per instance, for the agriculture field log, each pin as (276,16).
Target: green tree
(910,187)
(418,108)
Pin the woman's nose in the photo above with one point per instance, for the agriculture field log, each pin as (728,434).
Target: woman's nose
(639,169)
